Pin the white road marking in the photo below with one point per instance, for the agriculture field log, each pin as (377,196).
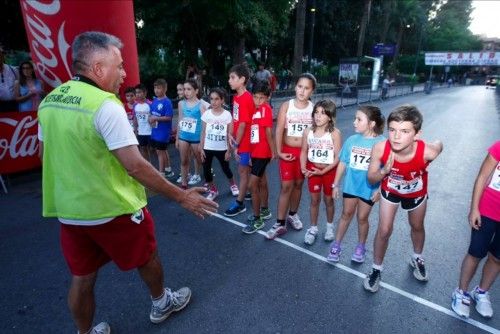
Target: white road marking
(403,293)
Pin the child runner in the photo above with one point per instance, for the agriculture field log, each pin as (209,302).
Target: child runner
(216,127)
(161,123)
(243,108)
(484,218)
(358,194)
(263,150)
(404,181)
(293,118)
(188,135)
(142,111)
(129,107)
(318,160)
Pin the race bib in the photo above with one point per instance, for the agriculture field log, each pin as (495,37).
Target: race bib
(495,179)
(404,186)
(142,118)
(188,124)
(254,133)
(360,158)
(216,129)
(320,156)
(295,129)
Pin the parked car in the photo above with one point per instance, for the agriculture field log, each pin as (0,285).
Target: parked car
(492,80)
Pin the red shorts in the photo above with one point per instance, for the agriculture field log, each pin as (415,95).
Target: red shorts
(128,244)
(325,181)
(290,170)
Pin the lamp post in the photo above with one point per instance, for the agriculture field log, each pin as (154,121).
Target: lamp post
(311,34)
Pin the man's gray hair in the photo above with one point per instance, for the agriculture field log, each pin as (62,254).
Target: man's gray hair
(88,43)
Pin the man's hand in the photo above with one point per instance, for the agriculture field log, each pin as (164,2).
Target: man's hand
(197,204)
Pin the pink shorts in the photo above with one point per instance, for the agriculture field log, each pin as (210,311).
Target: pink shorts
(128,244)
(325,181)
(290,170)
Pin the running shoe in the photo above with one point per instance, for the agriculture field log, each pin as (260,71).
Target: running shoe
(101,328)
(419,269)
(248,197)
(460,303)
(310,236)
(295,222)
(334,254)
(329,235)
(169,175)
(253,225)
(212,194)
(235,209)
(483,303)
(275,231)
(176,301)
(359,254)
(372,280)
(195,179)
(234,190)
(179,179)
(265,213)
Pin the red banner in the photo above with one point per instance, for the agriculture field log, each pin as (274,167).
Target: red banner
(18,141)
(52,25)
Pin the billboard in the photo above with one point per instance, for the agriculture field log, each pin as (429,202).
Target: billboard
(462,58)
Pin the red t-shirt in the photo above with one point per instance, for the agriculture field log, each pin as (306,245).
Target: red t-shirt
(262,118)
(243,108)
(490,198)
(130,112)
(406,179)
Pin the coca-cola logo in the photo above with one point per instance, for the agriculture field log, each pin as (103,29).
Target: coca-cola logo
(22,143)
(45,52)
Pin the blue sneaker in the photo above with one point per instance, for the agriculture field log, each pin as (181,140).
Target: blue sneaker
(235,209)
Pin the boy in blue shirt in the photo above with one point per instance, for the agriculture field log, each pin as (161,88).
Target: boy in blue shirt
(161,126)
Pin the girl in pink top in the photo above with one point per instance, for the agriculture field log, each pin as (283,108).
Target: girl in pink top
(484,218)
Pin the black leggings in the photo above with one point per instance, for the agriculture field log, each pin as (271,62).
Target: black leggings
(207,164)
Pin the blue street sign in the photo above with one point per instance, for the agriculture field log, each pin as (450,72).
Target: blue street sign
(383,49)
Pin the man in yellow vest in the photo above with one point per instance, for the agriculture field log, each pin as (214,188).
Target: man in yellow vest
(94,178)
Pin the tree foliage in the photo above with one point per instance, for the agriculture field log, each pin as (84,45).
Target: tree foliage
(215,34)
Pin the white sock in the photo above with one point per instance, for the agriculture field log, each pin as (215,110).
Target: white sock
(168,169)
(415,256)
(314,229)
(378,266)
(161,301)
(329,225)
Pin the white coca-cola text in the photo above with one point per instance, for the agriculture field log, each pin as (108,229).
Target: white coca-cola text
(21,144)
(46,54)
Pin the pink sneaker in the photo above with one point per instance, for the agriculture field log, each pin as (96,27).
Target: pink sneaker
(275,231)
(212,194)
(234,190)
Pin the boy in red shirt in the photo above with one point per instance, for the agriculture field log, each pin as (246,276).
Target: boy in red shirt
(262,151)
(403,179)
(243,108)
(129,106)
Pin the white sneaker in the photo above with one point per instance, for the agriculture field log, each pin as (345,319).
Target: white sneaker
(179,180)
(195,179)
(460,303)
(310,236)
(212,194)
(329,236)
(234,190)
(102,328)
(295,222)
(483,303)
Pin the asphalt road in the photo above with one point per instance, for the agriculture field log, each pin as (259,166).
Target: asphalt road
(246,284)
